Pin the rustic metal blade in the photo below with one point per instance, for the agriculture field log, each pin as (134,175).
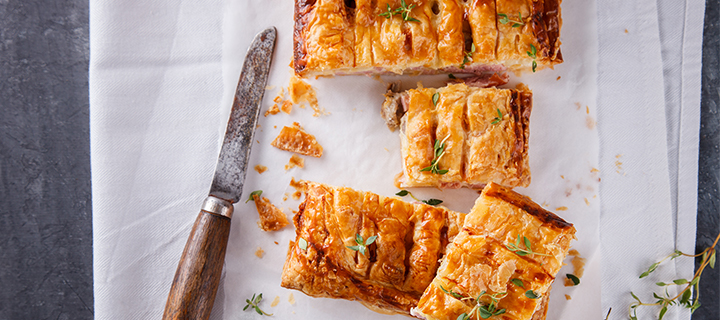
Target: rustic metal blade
(235,153)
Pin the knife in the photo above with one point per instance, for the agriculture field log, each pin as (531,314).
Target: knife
(198,274)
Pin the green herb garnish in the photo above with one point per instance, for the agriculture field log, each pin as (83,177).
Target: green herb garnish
(439,149)
(302,243)
(253,302)
(515,247)
(435,98)
(480,310)
(533,54)
(518,283)
(504,19)
(403,11)
(575,280)
(452,76)
(532,295)
(498,118)
(432,202)
(689,296)
(467,57)
(254,193)
(362,246)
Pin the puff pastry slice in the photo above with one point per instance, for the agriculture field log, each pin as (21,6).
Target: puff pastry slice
(485,133)
(480,260)
(460,36)
(390,274)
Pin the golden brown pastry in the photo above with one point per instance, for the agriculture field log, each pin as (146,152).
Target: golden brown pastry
(271,218)
(484,132)
(490,258)
(295,139)
(401,245)
(425,36)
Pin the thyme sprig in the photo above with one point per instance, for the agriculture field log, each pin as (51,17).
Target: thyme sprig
(515,247)
(533,54)
(467,56)
(479,309)
(403,11)
(689,296)
(432,202)
(498,118)
(362,245)
(504,19)
(254,302)
(439,150)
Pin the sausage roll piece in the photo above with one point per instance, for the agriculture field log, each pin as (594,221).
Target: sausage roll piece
(460,136)
(425,36)
(507,240)
(356,245)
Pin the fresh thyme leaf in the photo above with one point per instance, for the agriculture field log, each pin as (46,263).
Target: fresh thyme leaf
(518,283)
(468,56)
(253,303)
(402,193)
(452,293)
(405,10)
(452,76)
(302,243)
(523,252)
(573,278)
(680,281)
(650,270)
(435,98)
(358,239)
(532,295)
(484,313)
(256,192)
(389,13)
(370,240)
(634,296)
(505,19)
(362,245)
(498,118)
(711,261)
(463,316)
(439,152)
(533,52)
(662,312)
(685,299)
(660,284)
(433,202)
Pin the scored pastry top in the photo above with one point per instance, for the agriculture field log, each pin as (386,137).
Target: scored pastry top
(425,36)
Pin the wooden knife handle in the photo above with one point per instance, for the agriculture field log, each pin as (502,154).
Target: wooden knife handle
(198,274)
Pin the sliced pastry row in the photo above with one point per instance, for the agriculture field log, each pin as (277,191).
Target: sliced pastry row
(425,36)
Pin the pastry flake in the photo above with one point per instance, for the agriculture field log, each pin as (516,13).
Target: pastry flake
(390,273)
(480,263)
(271,218)
(420,36)
(295,139)
(483,133)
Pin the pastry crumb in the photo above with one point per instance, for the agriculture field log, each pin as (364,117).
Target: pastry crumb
(562,176)
(285,197)
(272,110)
(590,122)
(587,109)
(275,301)
(269,87)
(594,170)
(567,297)
(291,298)
(271,218)
(295,161)
(299,188)
(563,208)
(587,202)
(260,168)
(301,92)
(276,242)
(286,106)
(259,252)
(626,30)
(295,139)
(558,78)
(578,105)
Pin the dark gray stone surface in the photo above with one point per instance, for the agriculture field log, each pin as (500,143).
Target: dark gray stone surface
(45,208)
(708,219)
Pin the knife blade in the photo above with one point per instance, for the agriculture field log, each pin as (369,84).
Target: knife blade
(196,280)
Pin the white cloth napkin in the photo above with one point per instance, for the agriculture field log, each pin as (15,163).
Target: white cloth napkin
(161,75)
